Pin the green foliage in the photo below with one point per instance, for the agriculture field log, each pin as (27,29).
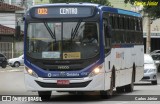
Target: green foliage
(103,2)
(152,10)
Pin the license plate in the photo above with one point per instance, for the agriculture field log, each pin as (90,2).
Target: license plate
(63,82)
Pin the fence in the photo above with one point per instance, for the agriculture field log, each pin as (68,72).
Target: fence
(10,49)
(6,48)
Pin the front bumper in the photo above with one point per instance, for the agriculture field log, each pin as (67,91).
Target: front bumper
(10,64)
(76,84)
(149,77)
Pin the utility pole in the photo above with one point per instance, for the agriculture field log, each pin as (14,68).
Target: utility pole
(148,38)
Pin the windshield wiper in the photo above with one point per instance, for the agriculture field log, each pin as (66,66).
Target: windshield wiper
(50,31)
(73,33)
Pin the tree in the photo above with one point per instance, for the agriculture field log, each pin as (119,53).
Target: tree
(103,2)
(152,7)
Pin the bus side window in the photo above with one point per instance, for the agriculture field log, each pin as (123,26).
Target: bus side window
(108,31)
(111,19)
(107,35)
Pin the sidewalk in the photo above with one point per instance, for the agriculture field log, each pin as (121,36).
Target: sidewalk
(12,69)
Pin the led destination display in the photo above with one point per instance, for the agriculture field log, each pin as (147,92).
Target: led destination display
(61,12)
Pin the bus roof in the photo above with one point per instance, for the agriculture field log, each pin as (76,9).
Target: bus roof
(69,4)
(98,6)
(120,11)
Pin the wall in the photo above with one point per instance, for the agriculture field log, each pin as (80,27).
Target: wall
(7,19)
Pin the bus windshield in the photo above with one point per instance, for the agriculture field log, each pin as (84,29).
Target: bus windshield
(62,40)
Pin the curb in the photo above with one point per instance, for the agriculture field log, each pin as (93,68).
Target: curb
(13,70)
(10,69)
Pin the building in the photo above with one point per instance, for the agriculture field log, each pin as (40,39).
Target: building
(11,14)
(7,29)
(155,34)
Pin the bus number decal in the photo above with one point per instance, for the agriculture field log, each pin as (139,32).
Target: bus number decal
(42,11)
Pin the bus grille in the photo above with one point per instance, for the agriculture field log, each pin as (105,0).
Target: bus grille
(71,85)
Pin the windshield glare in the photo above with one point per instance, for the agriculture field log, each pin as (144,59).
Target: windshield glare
(62,40)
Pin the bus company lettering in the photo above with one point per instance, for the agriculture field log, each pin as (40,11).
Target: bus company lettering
(68,11)
(72,74)
(64,74)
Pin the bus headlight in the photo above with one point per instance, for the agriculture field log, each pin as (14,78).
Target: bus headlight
(31,72)
(96,71)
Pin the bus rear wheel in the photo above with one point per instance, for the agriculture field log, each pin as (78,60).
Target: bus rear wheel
(154,82)
(45,95)
(120,89)
(130,87)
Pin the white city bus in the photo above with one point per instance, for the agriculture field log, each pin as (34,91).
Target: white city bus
(57,59)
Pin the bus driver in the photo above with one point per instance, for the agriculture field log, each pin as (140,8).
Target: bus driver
(89,37)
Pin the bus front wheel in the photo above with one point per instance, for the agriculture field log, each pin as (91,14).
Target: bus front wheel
(45,95)
(107,94)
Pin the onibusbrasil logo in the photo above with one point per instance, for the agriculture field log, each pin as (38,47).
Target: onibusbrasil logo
(21,98)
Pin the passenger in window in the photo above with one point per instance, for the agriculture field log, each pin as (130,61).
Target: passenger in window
(90,37)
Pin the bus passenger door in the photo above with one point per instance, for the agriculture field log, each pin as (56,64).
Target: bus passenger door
(107,49)
(107,43)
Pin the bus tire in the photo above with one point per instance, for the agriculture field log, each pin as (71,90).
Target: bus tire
(107,94)
(130,87)
(45,95)
(4,64)
(154,82)
(120,89)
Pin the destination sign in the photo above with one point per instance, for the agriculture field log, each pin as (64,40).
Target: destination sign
(62,12)
(68,11)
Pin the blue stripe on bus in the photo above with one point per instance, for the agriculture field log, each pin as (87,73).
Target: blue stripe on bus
(120,11)
(122,45)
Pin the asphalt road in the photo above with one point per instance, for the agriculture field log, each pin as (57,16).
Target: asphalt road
(12,83)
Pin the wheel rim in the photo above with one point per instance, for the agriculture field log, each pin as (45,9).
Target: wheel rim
(16,64)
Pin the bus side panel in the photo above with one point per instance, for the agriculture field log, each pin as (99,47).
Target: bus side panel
(117,62)
(107,72)
(139,62)
(123,60)
(128,63)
